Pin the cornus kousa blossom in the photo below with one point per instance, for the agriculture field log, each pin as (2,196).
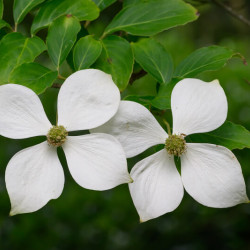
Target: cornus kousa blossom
(87,99)
(210,173)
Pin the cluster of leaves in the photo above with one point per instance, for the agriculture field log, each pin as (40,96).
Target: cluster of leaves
(126,48)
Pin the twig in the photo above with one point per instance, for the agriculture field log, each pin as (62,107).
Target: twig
(229,10)
(86,24)
(56,85)
(61,77)
(136,76)
(15,28)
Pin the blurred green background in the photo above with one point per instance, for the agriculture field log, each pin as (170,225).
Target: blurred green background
(84,219)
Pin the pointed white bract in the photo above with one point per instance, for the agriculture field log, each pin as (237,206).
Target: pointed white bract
(87,99)
(157,188)
(211,174)
(96,161)
(21,113)
(135,127)
(198,106)
(33,177)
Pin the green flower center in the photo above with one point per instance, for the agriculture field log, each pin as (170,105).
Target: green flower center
(57,136)
(175,145)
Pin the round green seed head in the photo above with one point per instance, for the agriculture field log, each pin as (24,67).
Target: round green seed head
(175,145)
(57,136)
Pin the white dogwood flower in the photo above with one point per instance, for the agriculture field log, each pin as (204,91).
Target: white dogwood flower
(87,99)
(210,173)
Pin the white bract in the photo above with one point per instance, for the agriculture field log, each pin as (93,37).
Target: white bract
(87,99)
(210,173)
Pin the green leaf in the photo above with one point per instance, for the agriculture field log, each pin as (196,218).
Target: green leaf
(102,4)
(15,49)
(230,135)
(163,99)
(151,17)
(1,9)
(154,59)
(82,9)
(61,38)
(33,76)
(204,59)
(143,100)
(4,24)
(129,2)
(22,8)
(116,59)
(86,51)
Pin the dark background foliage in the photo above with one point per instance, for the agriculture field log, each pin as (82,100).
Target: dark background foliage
(84,219)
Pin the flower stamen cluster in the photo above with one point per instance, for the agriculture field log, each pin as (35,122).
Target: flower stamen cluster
(175,145)
(57,136)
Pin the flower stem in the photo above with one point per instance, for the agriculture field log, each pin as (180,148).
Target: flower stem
(168,126)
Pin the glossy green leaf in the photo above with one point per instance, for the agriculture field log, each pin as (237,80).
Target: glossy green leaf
(116,59)
(4,24)
(22,8)
(204,59)
(103,4)
(82,9)
(86,51)
(143,100)
(154,59)
(1,8)
(34,76)
(230,135)
(163,99)
(151,17)
(129,2)
(15,49)
(61,38)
